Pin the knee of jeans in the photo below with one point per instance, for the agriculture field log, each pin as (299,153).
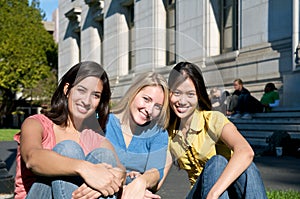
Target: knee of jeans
(252,170)
(218,161)
(70,149)
(102,155)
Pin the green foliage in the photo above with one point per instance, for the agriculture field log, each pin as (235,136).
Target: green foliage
(26,49)
(42,94)
(8,134)
(280,194)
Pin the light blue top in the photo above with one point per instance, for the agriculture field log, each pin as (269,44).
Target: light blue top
(145,151)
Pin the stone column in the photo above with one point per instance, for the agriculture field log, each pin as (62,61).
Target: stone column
(70,46)
(92,31)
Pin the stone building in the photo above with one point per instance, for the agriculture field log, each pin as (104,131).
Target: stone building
(256,41)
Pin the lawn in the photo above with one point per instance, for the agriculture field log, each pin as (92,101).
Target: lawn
(279,194)
(7,134)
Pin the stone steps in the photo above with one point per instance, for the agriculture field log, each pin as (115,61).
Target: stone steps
(261,127)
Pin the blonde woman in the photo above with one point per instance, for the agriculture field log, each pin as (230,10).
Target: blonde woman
(136,128)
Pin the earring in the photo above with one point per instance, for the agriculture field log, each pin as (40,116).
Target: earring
(97,115)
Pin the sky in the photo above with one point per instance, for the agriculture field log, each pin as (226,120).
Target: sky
(48,6)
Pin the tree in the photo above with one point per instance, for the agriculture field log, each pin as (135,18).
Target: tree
(26,51)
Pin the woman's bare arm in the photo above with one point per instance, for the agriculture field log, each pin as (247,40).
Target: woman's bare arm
(239,162)
(49,163)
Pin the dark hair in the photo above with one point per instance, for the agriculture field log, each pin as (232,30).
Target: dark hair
(58,112)
(184,70)
(271,86)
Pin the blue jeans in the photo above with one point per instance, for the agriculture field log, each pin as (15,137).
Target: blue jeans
(246,103)
(63,187)
(248,185)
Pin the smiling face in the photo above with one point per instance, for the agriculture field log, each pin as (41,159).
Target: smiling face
(184,100)
(84,97)
(147,104)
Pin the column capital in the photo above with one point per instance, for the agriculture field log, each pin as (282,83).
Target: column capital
(74,14)
(74,17)
(95,3)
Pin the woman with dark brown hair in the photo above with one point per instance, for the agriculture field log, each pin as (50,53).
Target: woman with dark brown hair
(61,153)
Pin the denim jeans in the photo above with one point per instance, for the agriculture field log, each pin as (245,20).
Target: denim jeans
(248,185)
(246,103)
(63,187)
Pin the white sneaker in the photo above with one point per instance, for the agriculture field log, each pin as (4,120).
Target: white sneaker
(247,116)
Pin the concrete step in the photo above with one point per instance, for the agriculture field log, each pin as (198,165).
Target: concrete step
(256,134)
(287,121)
(294,135)
(264,135)
(279,114)
(258,130)
(286,109)
(260,140)
(257,142)
(269,127)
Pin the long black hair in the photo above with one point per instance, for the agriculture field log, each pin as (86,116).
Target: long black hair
(58,112)
(180,73)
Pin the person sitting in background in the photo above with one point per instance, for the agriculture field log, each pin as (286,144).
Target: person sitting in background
(246,103)
(270,98)
(218,99)
(238,105)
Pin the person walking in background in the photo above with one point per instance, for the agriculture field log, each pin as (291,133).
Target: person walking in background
(136,128)
(270,98)
(206,144)
(61,153)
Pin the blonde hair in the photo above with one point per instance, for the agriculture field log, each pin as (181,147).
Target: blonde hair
(144,80)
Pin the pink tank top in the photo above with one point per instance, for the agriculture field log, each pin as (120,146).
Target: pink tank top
(89,140)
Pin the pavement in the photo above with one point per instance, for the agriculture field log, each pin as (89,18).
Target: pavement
(278,173)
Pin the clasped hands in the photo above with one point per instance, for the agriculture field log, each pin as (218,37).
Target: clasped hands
(111,183)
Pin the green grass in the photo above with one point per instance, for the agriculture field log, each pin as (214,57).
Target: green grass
(280,194)
(8,134)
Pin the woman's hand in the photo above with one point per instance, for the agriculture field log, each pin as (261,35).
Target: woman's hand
(136,188)
(150,195)
(133,174)
(119,173)
(85,191)
(100,177)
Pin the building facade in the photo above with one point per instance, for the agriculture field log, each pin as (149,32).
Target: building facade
(256,41)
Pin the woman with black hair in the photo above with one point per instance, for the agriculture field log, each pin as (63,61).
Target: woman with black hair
(206,144)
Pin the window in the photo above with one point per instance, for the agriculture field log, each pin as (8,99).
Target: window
(131,39)
(101,35)
(229,25)
(171,27)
